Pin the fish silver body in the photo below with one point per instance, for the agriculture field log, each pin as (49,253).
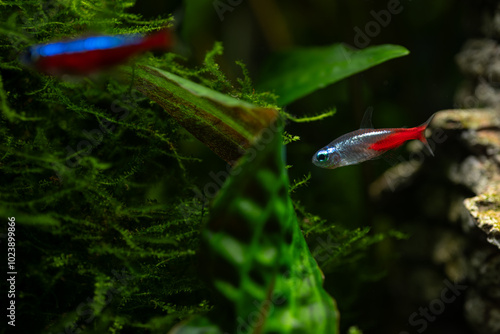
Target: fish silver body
(366,144)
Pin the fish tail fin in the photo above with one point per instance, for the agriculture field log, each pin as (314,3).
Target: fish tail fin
(160,40)
(422,138)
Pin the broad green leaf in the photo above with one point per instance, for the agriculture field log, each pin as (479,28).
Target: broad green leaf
(228,126)
(255,257)
(294,74)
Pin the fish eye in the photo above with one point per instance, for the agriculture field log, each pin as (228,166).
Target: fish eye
(321,157)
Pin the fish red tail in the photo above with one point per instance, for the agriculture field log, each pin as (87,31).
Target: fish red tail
(160,40)
(422,133)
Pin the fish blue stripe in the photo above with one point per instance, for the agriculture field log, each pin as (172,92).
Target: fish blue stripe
(87,44)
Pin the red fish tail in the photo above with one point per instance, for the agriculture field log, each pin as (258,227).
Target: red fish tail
(160,40)
(422,138)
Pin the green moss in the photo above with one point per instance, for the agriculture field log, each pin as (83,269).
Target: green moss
(78,160)
(107,231)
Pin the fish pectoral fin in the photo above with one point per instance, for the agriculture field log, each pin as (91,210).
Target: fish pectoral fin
(366,122)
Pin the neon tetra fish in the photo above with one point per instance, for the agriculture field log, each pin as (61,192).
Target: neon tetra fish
(367,143)
(91,54)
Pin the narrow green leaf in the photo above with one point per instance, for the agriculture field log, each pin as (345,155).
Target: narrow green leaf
(256,258)
(294,74)
(228,126)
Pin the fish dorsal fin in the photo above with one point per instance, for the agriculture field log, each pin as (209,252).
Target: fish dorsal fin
(366,122)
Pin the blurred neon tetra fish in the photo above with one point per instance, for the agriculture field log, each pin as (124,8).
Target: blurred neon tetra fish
(367,143)
(87,55)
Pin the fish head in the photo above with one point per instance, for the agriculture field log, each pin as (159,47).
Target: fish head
(28,57)
(327,157)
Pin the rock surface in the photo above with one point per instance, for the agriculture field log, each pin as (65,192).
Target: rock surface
(480,172)
(455,200)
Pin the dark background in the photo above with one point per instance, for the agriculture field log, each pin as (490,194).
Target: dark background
(402,92)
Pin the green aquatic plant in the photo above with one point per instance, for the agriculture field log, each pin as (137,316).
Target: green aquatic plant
(93,172)
(225,124)
(255,255)
(294,74)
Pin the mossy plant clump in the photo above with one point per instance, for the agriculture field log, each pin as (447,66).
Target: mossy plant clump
(98,246)
(106,232)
